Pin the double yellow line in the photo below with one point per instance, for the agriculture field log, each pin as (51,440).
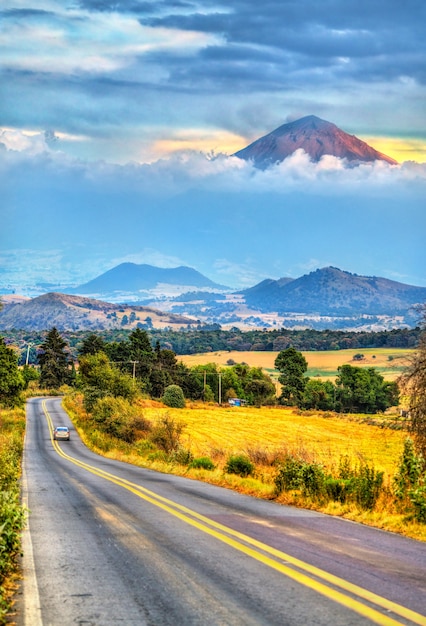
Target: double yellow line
(330,586)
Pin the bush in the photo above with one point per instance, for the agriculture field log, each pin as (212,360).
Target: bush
(173,397)
(312,479)
(366,486)
(239,464)
(409,471)
(166,434)
(114,416)
(288,476)
(418,500)
(182,456)
(202,462)
(337,489)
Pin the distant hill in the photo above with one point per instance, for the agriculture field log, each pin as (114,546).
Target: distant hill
(331,291)
(326,298)
(68,312)
(136,280)
(316,137)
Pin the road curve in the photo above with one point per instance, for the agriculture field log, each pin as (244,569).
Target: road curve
(109,543)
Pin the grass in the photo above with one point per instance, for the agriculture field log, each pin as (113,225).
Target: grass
(12,427)
(265,435)
(390,362)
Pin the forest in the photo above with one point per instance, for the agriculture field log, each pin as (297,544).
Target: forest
(213,338)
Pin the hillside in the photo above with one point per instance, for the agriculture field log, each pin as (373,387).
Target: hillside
(331,291)
(68,312)
(316,137)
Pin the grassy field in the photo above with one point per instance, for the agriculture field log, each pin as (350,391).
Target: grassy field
(220,431)
(389,362)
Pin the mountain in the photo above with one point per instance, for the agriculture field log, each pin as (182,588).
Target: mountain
(136,281)
(331,291)
(67,312)
(328,298)
(316,137)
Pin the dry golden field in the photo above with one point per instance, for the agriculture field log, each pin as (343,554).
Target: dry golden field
(219,431)
(389,362)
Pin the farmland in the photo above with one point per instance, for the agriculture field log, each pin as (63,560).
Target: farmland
(389,362)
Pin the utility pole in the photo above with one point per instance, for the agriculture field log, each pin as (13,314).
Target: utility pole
(134,371)
(220,388)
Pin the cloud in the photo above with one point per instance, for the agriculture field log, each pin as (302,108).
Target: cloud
(108,70)
(218,214)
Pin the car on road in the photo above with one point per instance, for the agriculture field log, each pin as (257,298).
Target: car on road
(61,432)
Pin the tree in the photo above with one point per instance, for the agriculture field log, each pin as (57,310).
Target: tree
(54,361)
(173,397)
(11,380)
(91,345)
(363,390)
(292,365)
(99,379)
(414,383)
(318,394)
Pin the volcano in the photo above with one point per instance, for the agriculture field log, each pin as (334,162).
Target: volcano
(316,137)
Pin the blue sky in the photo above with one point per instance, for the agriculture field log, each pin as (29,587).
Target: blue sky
(118,119)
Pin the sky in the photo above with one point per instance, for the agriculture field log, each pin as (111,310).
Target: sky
(119,119)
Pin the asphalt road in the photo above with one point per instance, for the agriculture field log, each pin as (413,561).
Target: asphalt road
(109,543)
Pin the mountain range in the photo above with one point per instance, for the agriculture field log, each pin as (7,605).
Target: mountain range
(325,298)
(316,137)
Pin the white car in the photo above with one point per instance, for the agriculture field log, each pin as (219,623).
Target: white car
(61,432)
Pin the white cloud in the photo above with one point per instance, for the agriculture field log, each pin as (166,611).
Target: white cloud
(31,142)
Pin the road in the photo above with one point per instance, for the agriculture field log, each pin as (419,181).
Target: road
(109,544)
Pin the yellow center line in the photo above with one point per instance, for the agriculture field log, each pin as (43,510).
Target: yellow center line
(234,538)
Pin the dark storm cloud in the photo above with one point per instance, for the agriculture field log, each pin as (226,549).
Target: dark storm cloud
(376,39)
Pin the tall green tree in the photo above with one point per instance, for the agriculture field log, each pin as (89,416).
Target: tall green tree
(292,365)
(54,361)
(414,383)
(91,345)
(364,390)
(11,380)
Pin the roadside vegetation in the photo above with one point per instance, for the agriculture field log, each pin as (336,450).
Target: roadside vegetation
(12,516)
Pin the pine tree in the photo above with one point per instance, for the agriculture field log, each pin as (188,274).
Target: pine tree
(54,361)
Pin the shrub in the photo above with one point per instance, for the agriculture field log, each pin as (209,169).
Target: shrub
(173,397)
(367,486)
(239,464)
(182,456)
(114,416)
(409,471)
(312,479)
(166,434)
(288,476)
(202,462)
(418,500)
(337,489)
